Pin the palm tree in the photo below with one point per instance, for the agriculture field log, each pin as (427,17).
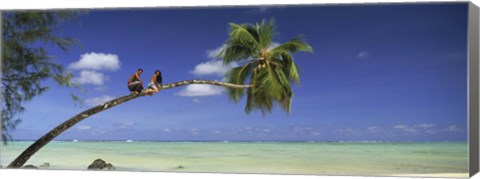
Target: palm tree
(271,69)
(268,66)
(45,139)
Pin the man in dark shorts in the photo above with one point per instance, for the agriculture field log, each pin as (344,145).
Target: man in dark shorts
(135,84)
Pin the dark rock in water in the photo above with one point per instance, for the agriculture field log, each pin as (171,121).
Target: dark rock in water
(97,165)
(30,167)
(109,166)
(45,165)
(100,164)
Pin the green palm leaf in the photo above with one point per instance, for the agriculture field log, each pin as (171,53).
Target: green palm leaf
(243,33)
(267,32)
(238,75)
(234,53)
(292,46)
(290,68)
(286,93)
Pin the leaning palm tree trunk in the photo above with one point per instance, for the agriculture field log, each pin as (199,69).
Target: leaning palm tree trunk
(25,155)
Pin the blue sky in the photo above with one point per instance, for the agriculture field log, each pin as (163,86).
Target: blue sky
(378,72)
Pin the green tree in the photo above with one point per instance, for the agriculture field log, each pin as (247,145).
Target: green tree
(268,67)
(271,71)
(26,64)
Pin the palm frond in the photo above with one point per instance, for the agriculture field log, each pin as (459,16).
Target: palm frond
(257,97)
(253,30)
(241,34)
(267,89)
(234,52)
(267,32)
(260,95)
(242,43)
(292,46)
(238,75)
(290,68)
(249,106)
(286,94)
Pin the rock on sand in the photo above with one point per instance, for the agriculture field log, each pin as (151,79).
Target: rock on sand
(100,164)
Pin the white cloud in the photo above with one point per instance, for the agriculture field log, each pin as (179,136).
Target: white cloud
(167,130)
(373,129)
(418,128)
(96,61)
(99,132)
(84,127)
(410,130)
(194,131)
(400,126)
(213,67)
(362,54)
(453,128)
(126,125)
(129,123)
(316,133)
(91,77)
(425,126)
(90,65)
(201,90)
(346,131)
(406,128)
(98,100)
(247,129)
(296,128)
(213,53)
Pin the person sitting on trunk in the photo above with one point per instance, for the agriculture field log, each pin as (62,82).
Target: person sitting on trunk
(155,83)
(135,84)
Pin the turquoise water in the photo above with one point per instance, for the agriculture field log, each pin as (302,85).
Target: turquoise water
(332,158)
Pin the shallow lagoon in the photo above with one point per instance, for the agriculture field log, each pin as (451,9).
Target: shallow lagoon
(448,159)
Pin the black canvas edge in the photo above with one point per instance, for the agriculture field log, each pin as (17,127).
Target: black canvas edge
(473,87)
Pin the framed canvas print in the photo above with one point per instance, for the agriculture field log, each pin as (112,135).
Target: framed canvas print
(318,90)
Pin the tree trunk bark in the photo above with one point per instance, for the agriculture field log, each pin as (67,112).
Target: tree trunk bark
(32,149)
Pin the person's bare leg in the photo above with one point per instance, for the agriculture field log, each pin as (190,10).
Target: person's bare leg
(149,92)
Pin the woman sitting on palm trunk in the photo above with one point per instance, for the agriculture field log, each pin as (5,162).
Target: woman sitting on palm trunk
(155,83)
